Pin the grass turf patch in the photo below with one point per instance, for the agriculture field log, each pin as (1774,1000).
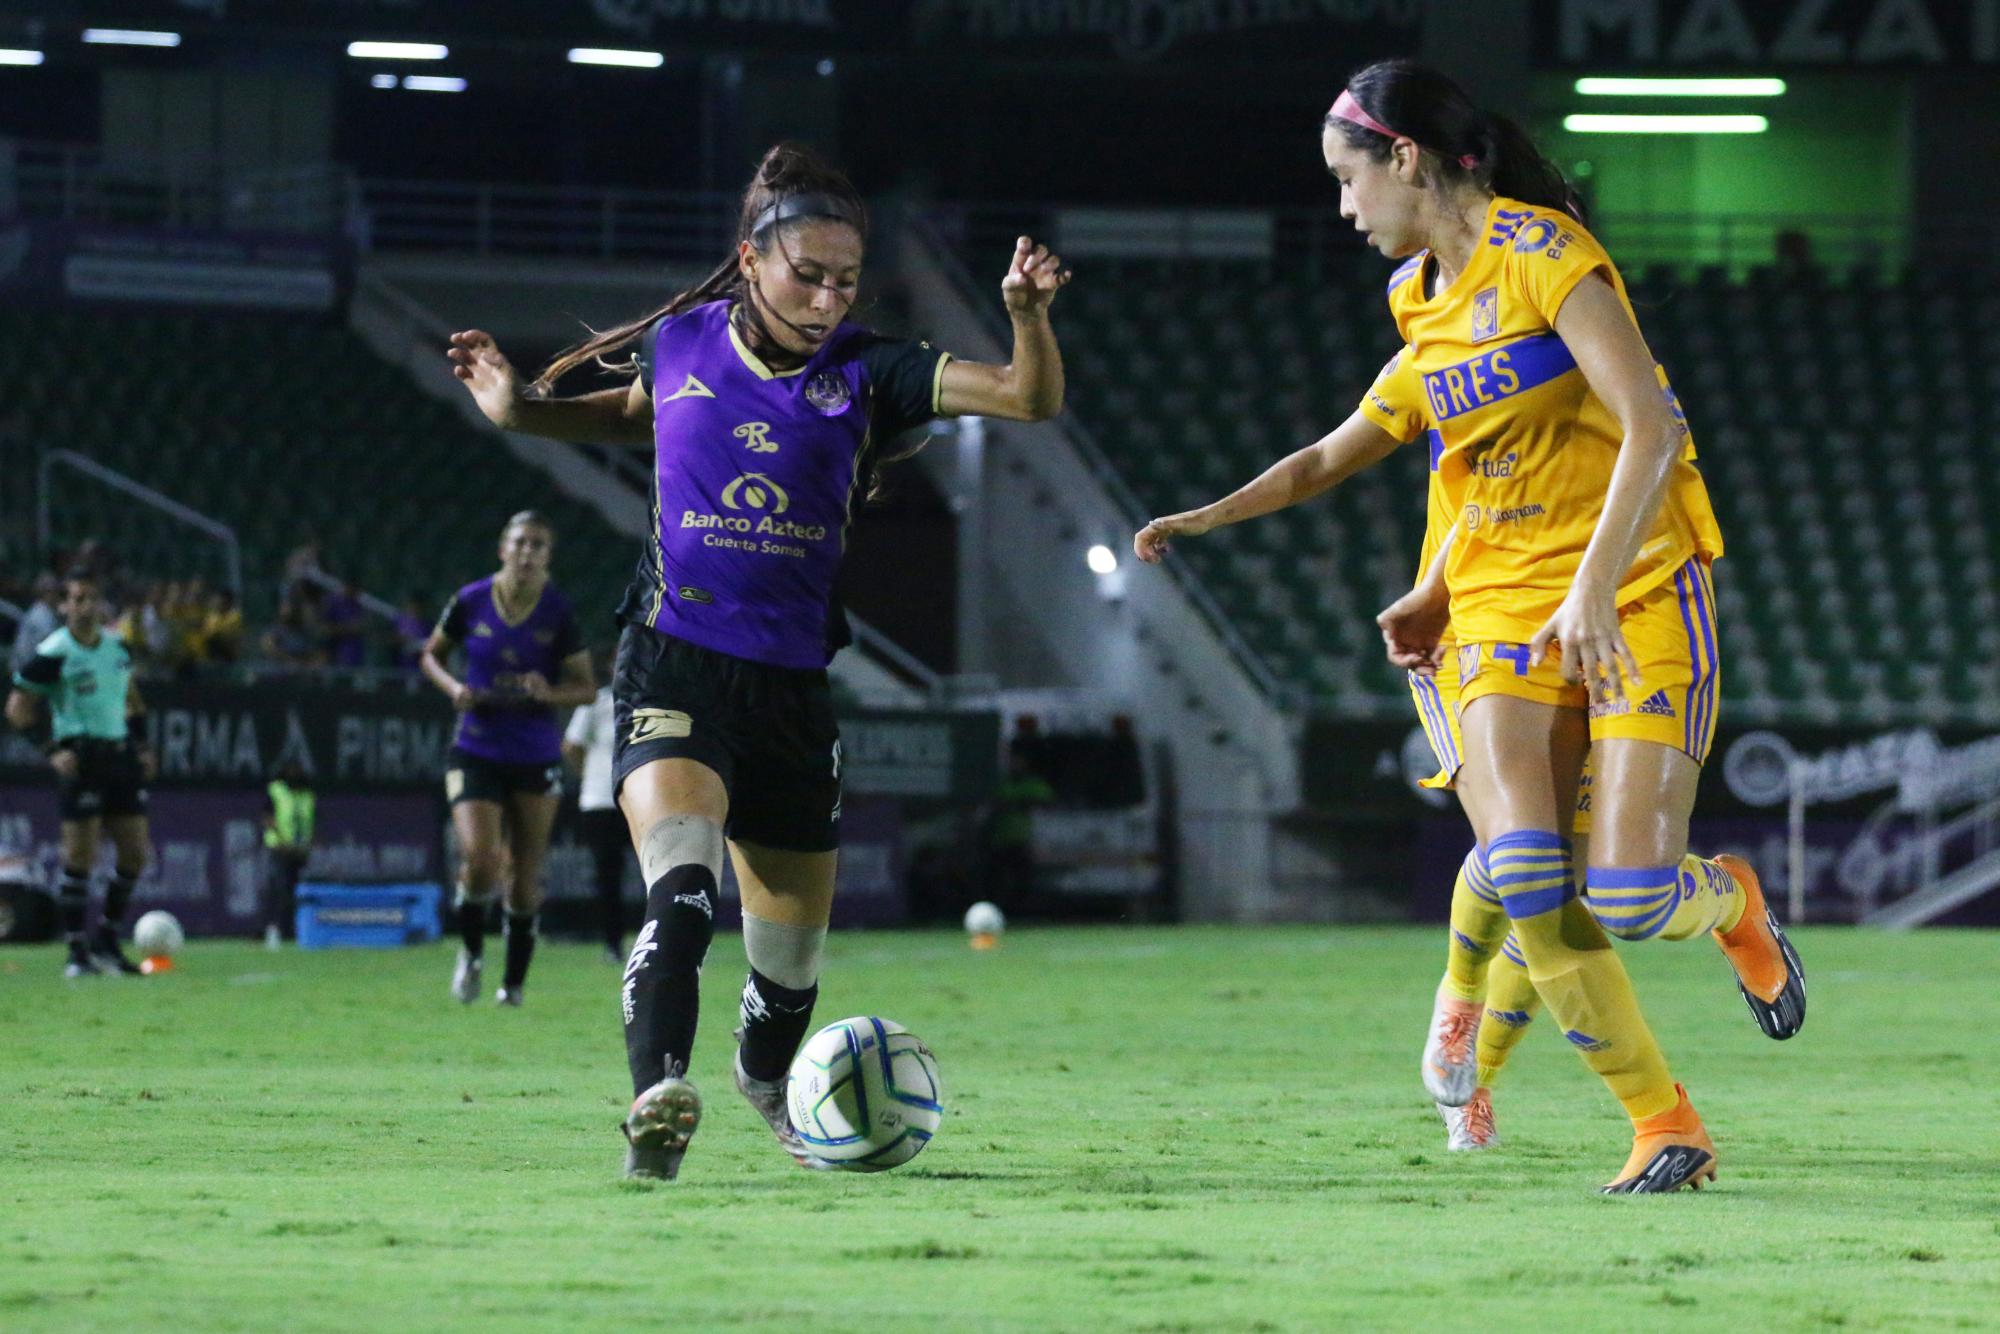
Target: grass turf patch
(1146,1129)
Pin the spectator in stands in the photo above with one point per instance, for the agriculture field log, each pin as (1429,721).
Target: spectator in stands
(40,621)
(412,629)
(289,820)
(186,612)
(143,626)
(342,620)
(222,629)
(293,639)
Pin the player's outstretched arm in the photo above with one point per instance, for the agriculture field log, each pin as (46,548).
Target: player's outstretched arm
(1354,445)
(1030,387)
(620,416)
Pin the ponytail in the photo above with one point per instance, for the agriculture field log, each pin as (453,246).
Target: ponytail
(1429,108)
(791,186)
(1510,164)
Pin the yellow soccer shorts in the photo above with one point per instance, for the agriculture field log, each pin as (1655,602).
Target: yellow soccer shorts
(1671,632)
(1437,701)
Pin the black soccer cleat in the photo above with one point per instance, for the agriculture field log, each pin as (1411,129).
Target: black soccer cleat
(1671,1168)
(80,964)
(1784,1017)
(111,957)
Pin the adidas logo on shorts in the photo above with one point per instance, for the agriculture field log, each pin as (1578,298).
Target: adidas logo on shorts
(1656,704)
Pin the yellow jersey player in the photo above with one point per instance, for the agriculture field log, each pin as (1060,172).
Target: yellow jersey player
(1395,412)
(1583,526)
(1485,1000)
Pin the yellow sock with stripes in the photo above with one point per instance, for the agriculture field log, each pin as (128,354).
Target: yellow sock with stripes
(1671,902)
(1478,925)
(1573,967)
(1511,1003)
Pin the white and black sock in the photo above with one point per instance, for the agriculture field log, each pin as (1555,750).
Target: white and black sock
(661,996)
(775,1020)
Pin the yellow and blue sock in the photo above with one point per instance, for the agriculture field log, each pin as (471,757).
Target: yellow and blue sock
(1478,924)
(1511,1003)
(1573,967)
(1671,902)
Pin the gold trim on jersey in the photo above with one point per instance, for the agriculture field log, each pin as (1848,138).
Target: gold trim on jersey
(755,362)
(937,383)
(658,559)
(493,595)
(854,482)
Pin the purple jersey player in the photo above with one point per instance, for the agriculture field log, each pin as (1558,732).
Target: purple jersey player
(768,414)
(504,780)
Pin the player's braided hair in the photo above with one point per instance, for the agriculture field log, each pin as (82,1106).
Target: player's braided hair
(787,172)
(1431,109)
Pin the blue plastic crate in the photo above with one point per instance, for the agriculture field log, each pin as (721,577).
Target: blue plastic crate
(336,916)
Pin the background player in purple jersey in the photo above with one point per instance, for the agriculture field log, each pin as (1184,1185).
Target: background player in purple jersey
(768,413)
(524,659)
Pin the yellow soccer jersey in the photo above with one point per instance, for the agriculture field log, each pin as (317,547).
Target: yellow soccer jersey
(1517,421)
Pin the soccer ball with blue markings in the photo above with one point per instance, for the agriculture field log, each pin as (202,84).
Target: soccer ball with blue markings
(864,1095)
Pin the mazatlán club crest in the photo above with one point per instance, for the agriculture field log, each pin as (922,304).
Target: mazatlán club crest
(828,393)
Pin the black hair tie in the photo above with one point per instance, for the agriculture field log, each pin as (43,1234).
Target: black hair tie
(794,207)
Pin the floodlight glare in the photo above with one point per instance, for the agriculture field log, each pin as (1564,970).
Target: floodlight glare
(14,57)
(397,51)
(1590,124)
(1615,87)
(1101,560)
(129,37)
(432,83)
(599,55)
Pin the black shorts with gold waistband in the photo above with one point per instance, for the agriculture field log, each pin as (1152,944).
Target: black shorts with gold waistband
(767,732)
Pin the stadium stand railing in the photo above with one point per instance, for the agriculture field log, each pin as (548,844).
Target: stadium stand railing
(278,428)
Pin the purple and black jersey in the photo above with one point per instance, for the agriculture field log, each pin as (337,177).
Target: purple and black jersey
(497,653)
(757,474)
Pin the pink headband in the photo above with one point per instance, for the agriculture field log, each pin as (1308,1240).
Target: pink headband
(1348,109)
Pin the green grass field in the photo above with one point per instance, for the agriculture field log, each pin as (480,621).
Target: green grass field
(1147,1129)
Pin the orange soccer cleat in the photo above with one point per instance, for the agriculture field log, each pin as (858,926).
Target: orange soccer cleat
(1669,1150)
(1768,971)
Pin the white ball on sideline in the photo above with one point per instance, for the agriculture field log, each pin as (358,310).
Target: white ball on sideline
(864,1095)
(984,919)
(158,933)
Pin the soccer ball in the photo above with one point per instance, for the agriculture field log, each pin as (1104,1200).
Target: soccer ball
(984,919)
(158,934)
(864,1095)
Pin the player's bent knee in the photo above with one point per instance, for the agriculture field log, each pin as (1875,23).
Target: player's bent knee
(1631,904)
(680,840)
